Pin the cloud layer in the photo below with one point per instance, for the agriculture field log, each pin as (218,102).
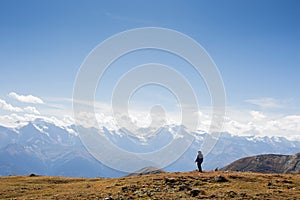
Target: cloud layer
(265,102)
(237,121)
(26,98)
(6,106)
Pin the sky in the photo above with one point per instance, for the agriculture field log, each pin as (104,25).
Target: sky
(255,45)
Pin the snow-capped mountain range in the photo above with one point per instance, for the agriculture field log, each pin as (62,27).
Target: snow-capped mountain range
(42,147)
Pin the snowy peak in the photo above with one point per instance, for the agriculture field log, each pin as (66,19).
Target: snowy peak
(58,151)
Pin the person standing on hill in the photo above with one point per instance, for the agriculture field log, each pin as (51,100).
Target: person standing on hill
(199,160)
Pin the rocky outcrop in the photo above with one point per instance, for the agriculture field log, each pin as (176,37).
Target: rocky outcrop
(268,163)
(147,170)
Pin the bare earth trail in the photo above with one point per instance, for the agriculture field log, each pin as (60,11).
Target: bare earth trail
(183,185)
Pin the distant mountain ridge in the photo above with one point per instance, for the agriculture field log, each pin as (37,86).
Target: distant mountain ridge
(268,163)
(44,148)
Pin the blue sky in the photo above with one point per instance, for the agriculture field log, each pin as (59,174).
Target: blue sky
(255,44)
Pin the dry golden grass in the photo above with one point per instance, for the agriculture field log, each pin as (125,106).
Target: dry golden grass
(186,185)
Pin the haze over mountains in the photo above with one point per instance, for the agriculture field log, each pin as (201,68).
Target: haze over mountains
(45,148)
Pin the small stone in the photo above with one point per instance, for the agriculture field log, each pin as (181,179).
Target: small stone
(32,175)
(108,198)
(195,192)
(170,180)
(220,179)
(243,194)
(150,193)
(231,194)
(184,187)
(158,188)
(287,181)
(270,184)
(124,188)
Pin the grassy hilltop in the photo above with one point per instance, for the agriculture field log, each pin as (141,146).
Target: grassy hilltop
(183,185)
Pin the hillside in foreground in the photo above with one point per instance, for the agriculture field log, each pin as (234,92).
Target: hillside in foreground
(184,185)
(268,163)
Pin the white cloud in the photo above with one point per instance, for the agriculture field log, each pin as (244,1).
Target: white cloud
(29,109)
(26,98)
(18,120)
(32,110)
(257,115)
(263,124)
(12,121)
(265,102)
(6,106)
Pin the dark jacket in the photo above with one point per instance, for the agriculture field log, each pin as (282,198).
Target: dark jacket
(199,158)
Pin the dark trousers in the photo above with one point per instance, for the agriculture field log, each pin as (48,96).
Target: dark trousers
(199,162)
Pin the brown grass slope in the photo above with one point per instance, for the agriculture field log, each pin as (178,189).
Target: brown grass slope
(186,185)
